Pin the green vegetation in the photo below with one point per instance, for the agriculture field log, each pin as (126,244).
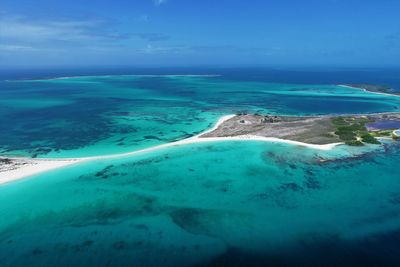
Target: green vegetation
(382,133)
(368,138)
(385,133)
(354,143)
(352,130)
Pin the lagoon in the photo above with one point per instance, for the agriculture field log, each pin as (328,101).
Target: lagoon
(100,115)
(203,204)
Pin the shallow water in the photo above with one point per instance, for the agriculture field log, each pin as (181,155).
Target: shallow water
(225,203)
(97,115)
(262,202)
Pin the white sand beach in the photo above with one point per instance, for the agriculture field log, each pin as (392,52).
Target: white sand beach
(365,90)
(130,75)
(34,166)
(37,166)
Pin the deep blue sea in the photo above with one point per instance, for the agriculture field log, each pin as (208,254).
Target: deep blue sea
(298,75)
(231,203)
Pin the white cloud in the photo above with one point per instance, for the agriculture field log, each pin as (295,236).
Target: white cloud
(152,37)
(16,48)
(159,2)
(149,49)
(20,28)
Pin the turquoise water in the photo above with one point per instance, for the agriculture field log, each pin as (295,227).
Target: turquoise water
(97,115)
(268,202)
(209,204)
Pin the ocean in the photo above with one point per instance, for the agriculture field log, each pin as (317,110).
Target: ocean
(230,203)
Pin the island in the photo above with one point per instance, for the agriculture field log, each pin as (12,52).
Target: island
(374,88)
(317,132)
(350,129)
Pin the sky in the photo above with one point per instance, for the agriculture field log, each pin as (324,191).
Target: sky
(47,33)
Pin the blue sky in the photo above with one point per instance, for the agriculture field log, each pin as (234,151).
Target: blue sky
(199,32)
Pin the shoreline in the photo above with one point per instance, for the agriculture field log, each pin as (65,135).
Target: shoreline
(37,166)
(365,90)
(117,75)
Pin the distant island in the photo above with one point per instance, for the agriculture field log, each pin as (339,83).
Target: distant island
(384,89)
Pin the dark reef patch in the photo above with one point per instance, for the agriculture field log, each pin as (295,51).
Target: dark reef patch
(291,186)
(196,221)
(103,173)
(320,251)
(312,183)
